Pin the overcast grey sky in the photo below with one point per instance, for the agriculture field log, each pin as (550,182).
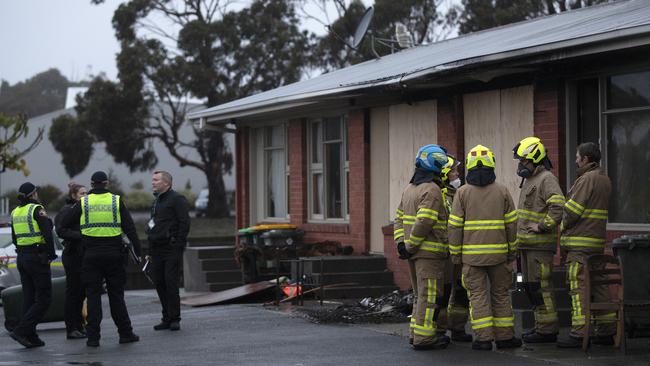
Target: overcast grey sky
(72,35)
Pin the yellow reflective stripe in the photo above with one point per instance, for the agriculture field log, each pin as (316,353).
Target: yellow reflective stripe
(504,322)
(606,318)
(454,249)
(440,225)
(399,233)
(427,216)
(399,212)
(415,240)
(485,249)
(556,198)
(577,317)
(510,216)
(575,207)
(427,213)
(542,317)
(484,225)
(424,330)
(548,221)
(456,221)
(595,214)
(582,241)
(482,322)
(431,246)
(530,215)
(430,298)
(408,222)
(409,217)
(536,238)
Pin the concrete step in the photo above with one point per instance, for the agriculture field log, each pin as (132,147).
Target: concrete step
(223,276)
(374,278)
(338,264)
(211,241)
(356,292)
(520,299)
(215,252)
(220,286)
(525,319)
(219,264)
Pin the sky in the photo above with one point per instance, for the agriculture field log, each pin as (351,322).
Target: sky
(72,35)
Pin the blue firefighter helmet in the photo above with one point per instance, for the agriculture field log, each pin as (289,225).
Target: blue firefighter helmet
(431,158)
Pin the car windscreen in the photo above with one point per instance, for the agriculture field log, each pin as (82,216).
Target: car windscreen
(5,240)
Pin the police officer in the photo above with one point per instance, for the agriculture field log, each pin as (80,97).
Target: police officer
(103,217)
(72,261)
(167,231)
(31,231)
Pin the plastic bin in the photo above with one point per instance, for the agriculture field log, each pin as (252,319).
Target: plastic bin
(248,236)
(634,253)
(281,237)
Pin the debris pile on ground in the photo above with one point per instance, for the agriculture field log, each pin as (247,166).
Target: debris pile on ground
(394,307)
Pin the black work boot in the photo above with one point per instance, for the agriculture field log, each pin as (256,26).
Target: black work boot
(607,340)
(75,334)
(175,326)
(23,340)
(509,343)
(441,342)
(460,336)
(570,342)
(129,338)
(36,340)
(539,338)
(92,343)
(482,345)
(161,326)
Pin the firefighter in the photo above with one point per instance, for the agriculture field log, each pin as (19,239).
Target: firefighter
(457,311)
(421,236)
(31,231)
(102,218)
(482,236)
(583,228)
(539,213)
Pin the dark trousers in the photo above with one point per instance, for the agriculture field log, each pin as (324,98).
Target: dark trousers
(97,268)
(74,290)
(166,263)
(36,279)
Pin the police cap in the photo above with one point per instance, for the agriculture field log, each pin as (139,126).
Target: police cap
(99,177)
(27,189)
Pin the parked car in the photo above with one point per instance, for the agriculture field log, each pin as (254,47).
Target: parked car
(201,203)
(9,275)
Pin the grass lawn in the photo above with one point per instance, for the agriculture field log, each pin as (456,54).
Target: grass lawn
(201,227)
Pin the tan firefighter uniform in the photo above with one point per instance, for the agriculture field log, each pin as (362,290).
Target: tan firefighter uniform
(457,313)
(422,222)
(482,235)
(540,202)
(584,225)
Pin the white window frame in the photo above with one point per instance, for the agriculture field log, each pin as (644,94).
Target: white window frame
(258,172)
(320,168)
(603,114)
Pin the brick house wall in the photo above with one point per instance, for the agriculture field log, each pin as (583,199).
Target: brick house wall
(354,233)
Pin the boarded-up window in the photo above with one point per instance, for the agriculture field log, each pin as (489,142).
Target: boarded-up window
(410,127)
(499,119)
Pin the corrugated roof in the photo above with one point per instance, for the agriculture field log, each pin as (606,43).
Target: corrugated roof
(577,27)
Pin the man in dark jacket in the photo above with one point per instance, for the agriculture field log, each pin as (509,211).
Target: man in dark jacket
(103,217)
(72,262)
(31,231)
(167,231)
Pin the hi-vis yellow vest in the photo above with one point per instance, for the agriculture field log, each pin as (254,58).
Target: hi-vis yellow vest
(100,215)
(25,227)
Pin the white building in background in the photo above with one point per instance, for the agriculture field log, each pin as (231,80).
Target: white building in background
(46,166)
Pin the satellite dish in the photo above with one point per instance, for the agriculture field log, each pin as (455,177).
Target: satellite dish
(362,28)
(402,35)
